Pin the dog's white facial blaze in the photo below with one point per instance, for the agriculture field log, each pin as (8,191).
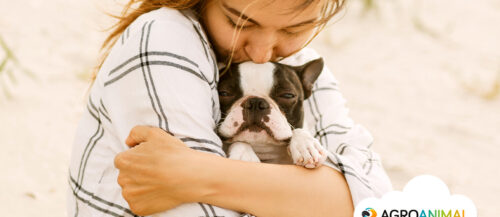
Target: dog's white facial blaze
(256,80)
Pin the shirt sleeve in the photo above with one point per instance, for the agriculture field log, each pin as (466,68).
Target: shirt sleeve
(161,76)
(348,144)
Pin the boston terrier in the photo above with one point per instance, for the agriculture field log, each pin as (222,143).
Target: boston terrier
(262,113)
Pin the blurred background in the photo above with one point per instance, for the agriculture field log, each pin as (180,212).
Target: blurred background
(423,76)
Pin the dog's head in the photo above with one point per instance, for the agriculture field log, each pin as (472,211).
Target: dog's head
(262,103)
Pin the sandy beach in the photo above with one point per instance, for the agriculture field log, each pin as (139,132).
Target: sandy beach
(420,75)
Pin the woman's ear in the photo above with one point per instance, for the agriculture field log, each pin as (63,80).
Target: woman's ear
(308,73)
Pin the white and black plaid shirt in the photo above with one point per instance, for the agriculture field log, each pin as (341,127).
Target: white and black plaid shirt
(162,72)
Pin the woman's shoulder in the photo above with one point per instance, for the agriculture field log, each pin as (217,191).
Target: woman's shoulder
(169,30)
(166,15)
(162,35)
(165,22)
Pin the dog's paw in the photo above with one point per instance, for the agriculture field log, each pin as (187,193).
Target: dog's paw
(242,151)
(306,150)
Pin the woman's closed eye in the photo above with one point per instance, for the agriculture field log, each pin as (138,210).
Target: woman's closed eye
(286,32)
(291,33)
(237,26)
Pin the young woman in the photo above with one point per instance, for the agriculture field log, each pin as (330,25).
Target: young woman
(156,92)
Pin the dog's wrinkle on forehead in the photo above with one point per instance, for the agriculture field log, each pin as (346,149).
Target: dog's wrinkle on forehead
(295,80)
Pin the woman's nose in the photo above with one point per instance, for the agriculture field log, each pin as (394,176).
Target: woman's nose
(259,54)
(260,49)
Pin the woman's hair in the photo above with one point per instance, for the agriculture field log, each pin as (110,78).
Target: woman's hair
(135,8)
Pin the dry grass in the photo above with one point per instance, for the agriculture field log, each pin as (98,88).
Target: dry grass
(8,65)
(494,92)
(490,93)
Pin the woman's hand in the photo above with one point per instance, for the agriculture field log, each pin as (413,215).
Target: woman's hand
(155,173)
(159,173)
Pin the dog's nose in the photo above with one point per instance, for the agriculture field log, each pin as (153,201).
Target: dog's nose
(256,103)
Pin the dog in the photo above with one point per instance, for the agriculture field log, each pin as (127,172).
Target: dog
(263,116)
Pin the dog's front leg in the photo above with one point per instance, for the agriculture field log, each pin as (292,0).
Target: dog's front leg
(306,150)
(242,151)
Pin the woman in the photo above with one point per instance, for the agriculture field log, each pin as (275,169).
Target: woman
(161,71)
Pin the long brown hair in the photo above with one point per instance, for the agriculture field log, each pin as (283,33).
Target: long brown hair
(135,8)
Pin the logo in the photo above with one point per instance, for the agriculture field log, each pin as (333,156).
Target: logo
(423,196)
(369,212)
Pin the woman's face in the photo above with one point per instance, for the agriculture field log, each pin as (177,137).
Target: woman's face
(274,28)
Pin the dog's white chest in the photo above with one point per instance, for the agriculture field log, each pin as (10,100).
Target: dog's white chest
(277,154)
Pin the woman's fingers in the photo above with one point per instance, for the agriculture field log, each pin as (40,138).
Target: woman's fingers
(142,134)
(139,134)
(123,160)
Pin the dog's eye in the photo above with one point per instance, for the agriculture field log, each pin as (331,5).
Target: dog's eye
(287,96)
(224,93)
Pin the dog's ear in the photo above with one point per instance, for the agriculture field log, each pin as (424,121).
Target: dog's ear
(308,73)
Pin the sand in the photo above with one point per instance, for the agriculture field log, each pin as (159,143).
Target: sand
(415,73)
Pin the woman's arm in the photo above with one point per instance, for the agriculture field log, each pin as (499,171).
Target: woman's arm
(173,174)
(276,190)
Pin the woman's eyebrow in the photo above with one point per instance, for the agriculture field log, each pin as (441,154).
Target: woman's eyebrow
(245,17)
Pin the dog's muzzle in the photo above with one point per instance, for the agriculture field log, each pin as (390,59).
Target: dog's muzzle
(255,119)
(255,111)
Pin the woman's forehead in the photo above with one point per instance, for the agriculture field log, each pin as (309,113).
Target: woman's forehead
(288,12)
